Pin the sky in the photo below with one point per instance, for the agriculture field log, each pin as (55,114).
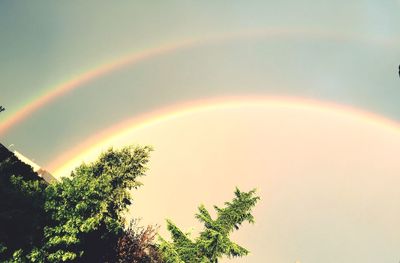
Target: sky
(102,64)
(327,175)
(352,59)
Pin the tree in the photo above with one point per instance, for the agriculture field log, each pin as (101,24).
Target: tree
(137,245)
(22,215)
(81,218)
(87,207)
(2,108)
(213,242)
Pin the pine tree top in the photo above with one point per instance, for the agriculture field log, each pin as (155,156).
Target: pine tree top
(213,241)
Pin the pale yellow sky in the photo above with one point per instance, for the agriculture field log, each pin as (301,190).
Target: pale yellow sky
(328,178)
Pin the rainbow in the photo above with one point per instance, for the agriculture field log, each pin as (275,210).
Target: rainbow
(53,93)
(84,78)
(64,164)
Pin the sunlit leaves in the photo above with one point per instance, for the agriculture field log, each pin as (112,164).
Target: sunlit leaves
(90,203)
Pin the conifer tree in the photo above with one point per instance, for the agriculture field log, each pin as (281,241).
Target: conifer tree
(213,242)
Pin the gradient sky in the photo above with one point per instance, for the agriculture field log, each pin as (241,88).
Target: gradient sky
(341,52)
(329,190)
(44,44)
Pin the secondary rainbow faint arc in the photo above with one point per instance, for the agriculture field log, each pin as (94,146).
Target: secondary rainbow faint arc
(136,57)
(91,147)
(84,78)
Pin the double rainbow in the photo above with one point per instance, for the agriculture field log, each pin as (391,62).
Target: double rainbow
(62,163)
(79,81)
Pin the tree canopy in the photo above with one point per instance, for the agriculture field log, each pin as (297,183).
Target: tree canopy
(213,241)
(87,207)
(81,218)
(22,215)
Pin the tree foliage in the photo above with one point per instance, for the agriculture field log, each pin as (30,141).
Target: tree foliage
(137,245)
(82,217)
(22,215)
(87,208)
(213,242)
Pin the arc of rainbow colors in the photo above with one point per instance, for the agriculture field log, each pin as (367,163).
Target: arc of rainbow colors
(65,163)
(136,57)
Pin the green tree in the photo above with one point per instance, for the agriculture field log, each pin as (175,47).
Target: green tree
(81,218)
(213,242)
(22,215)
(87,207)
